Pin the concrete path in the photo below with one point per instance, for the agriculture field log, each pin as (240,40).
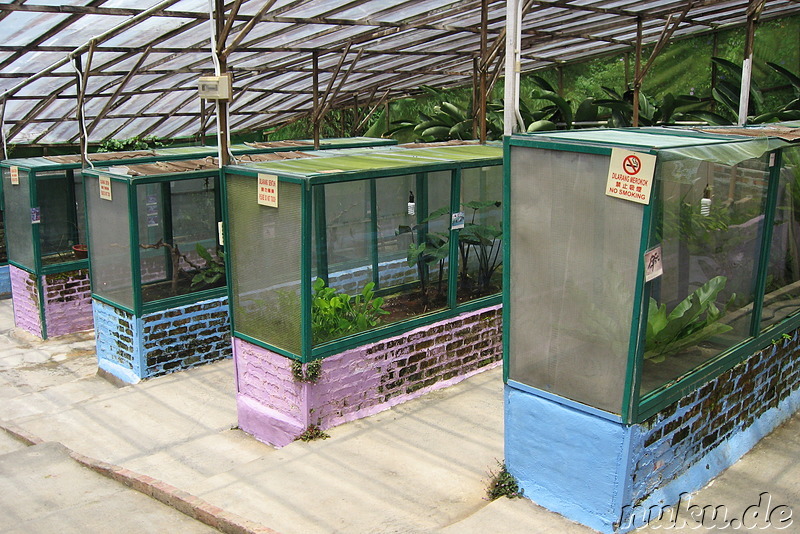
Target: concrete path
(420,467)
(43,490)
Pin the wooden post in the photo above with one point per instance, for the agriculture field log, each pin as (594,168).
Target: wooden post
(222,105)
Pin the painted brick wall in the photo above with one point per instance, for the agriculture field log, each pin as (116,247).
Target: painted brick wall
(26,300)
(68,302)
(133,348)
(115,331)
(276,408)
(185,337)
(5,282)
(677,438)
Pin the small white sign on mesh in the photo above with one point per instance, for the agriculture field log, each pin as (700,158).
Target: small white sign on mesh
(653,264)
(105,187)
(630,175)
(268,190)
(14,175)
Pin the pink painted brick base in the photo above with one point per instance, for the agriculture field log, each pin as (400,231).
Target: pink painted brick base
(276,408)
(67,302)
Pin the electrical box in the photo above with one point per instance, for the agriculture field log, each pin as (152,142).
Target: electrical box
(216,87)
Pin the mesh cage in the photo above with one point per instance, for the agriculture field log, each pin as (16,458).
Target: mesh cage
(348,234)
(109,242)
(265,259)
(574,257)
(19,234)
(58,229)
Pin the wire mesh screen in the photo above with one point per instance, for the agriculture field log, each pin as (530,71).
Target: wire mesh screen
(574,255)
(109,242)
(58,229)
(392,214)
(782,296)
(480,242)
(19,234)
(265,259)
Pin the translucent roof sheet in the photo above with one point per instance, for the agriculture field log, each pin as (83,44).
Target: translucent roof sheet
(377,159)
(142,58)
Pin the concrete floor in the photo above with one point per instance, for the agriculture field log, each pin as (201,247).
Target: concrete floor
(420,467)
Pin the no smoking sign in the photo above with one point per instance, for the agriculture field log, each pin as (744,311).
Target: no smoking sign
(630,175)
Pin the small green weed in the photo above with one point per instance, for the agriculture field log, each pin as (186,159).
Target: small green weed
(309,372)
(503,484)
(313,433)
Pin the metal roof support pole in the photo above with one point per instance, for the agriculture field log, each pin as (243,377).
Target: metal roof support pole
(511,117)
(482,74)
(753,12)
(637,82)
(222,105)
(475,69)
(315,118)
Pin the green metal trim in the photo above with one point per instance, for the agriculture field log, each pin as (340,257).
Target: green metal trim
(35,233)
(259,343)
(421,200)
(306,342)
(166,202)
(251,172)
(638,332)
(183,300)
(23,267)
(42,301)
(117,305)
(393,329)
(507,309)
(136,264)
(63,267)
(373,232)
(226,239)
(320,230)
(564,145)
(453,260)
(766,240)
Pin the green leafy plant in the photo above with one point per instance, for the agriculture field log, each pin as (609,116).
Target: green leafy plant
(132,143)
(695,319)
(486,241)
(313,433)
(335,315)
(433,248)
(503,484)
(309,372)
(212,271)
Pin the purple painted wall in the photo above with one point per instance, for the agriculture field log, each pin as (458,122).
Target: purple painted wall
(25,297)
(67,302)
(276,407)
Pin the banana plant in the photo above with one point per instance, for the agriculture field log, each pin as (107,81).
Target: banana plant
(559,112)
(651,113)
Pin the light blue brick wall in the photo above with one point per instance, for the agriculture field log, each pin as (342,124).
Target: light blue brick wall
(133,348)
(5,282)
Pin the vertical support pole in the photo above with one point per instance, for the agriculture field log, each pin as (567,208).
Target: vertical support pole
(476,62)
(483,66)
(512,67)
(320,229)
(315,96)
(222,105)
(637,82)
(79,115)
(753,11)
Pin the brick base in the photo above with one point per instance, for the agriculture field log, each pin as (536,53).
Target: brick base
(133,348)
(276,407)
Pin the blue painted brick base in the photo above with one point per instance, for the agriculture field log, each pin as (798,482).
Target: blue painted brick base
(5,282)
(608,475)
(133,348)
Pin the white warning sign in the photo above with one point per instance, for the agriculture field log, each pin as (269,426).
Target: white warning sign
(630,175)
(268,190)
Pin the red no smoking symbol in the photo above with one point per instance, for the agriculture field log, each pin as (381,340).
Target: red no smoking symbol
(631,165)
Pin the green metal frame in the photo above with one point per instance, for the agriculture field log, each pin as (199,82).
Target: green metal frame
(132,184)
(636,407)
(311,214)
